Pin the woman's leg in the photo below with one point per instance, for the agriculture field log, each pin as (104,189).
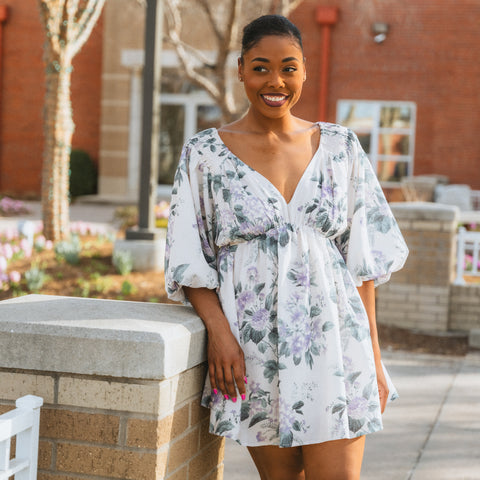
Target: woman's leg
(274,463)
(335,460)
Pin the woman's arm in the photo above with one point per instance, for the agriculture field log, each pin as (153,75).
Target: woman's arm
(367,294)
(226,364)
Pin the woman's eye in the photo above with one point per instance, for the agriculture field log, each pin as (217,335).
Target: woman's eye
(290,69)
(260,68)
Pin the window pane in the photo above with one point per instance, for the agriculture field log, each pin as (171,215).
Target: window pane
(172,120)
(208,116)
(395,117)
(391,170)
(358,115)
(393,144)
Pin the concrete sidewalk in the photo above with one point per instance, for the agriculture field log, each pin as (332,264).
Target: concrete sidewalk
(432,432)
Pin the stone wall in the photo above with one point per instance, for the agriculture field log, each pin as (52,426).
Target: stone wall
(465,307)
(121,383)
(418,295)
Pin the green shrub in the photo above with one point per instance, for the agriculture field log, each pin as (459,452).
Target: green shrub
(69,250)
(122,261)
(35,278)
(83,174)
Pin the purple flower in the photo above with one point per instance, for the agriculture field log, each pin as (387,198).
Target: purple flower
(260,319)
(244,299)
(357,408)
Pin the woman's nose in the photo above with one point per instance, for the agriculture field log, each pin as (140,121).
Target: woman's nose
(276,80)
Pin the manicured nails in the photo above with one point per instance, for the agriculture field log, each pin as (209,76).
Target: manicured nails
(243,396)
(234,399)
(215,391)
(226,397)
(246,381)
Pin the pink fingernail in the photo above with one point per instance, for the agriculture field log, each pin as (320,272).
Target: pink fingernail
(215,391)
(225,397)
(243,396)
(234,399)
(245,378)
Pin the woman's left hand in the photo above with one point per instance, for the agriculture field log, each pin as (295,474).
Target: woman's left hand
(383,390)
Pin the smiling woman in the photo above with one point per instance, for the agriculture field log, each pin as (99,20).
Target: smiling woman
(278,231)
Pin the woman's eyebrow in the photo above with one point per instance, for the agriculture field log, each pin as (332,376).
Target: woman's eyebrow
(266,60)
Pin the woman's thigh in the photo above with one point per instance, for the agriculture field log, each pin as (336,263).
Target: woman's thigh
(274,463)
(335,460)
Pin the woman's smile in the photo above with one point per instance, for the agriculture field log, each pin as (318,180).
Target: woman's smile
(274,99)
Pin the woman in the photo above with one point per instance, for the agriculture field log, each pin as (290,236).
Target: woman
(278,232)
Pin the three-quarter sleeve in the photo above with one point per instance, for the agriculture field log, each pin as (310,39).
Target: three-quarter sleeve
(190,258)
(372,245)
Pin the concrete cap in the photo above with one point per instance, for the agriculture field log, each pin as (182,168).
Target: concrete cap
(424,211)
(100,337)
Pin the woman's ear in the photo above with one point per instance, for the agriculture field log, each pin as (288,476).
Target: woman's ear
(304,68)
(240,69)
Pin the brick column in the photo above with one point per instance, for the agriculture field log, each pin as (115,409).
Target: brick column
(121,384)
(417,296)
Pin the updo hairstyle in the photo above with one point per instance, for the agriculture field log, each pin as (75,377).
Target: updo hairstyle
(265,26)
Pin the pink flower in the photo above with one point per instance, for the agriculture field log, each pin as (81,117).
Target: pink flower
(7,251)
(3,264)
(48,245)
(15,277)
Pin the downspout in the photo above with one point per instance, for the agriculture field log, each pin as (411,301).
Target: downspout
(3,19)
(327,17)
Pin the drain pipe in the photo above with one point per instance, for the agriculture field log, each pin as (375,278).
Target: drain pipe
(327,17)
(3,19)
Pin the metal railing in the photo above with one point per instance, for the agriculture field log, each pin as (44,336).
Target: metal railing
(23,423)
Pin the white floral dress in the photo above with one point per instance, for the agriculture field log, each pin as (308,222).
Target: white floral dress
(286,275)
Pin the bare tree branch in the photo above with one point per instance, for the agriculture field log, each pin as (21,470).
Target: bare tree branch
(206,8)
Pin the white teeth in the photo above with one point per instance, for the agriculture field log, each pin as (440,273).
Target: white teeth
(274,99)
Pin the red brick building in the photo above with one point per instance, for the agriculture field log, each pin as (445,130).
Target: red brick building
(412,94)
(22,82)
(430,57)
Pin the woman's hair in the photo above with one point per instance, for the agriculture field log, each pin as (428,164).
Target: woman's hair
(269,25)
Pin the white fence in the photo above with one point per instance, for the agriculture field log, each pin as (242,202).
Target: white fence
(468,243)
(22,423)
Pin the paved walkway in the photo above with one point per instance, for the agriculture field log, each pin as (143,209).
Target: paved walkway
(432,432)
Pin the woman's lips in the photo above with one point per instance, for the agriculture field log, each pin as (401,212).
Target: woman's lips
(274,100)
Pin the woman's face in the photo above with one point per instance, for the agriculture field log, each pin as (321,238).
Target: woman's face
(273,72)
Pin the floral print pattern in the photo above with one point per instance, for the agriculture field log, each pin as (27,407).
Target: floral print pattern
(286,275)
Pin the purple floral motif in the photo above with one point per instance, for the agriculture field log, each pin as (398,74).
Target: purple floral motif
(260,319)
(357,408)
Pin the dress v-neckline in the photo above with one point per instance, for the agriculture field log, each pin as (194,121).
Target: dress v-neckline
(256,172)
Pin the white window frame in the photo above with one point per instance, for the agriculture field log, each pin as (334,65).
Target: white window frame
(190,102)
(376,131)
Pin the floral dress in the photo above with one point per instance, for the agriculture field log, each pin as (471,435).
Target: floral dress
(286,276)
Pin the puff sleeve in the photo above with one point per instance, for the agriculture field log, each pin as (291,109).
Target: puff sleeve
(372,245)
(190,258)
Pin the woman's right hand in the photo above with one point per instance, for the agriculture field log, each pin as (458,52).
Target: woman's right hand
(226,364)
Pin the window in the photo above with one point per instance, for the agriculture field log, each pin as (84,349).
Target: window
(386,131)
(185,111)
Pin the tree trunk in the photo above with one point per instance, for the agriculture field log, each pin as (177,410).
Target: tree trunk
(56,157)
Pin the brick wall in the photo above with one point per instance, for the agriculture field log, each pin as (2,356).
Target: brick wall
(418,295)
(120,428)
(23,90)
(465,307)
(121,383)
(430,57)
